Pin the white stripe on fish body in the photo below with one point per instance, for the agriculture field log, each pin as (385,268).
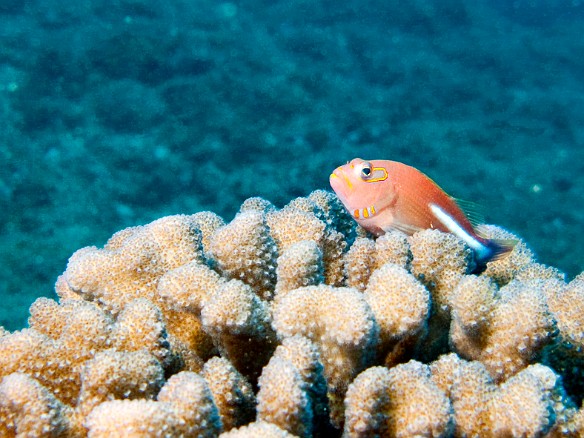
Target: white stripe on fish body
(481,250)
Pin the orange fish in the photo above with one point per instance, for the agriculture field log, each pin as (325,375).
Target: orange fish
(383,195)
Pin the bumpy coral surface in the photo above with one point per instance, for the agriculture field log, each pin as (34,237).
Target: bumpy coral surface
(294,322)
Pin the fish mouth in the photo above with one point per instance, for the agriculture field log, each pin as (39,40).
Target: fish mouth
(340,182)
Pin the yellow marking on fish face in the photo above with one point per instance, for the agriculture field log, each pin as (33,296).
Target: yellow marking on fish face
(377,174)
(347,180)
(364,213)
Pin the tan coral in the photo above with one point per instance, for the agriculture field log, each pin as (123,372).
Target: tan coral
(393,247)
(133,418)
(239,322)
(575,426)
(521,325)
(504,270)
(81,331)
(289,226)
(566,353)
(86,332)
(184,292)
(308,206)
(359,263)
(131,263)
(192,401)
(366,404)
(341,324)
(332,255)
(401,306)
(400,402)
(504,329)
(153,302)
(259,429)
(184,408)
(299,265)
(28,351)
(305,357)
(333,241)
(469,387)
(231,391)
(293,390)
(283,399)
(46,316)
(119,375)
(566,302)
(439,261)
(189,286)
(579,278)
(335,214)
(327,208)
(188,339)
(417,405)
(79,324)
(207,222)
(28,409)
(524,405)
(140,326)
(473,302)
(178,240)
(244,250)
(64,291)
(118,240)
(538,271)
(257,204)
(68,335)
(292,224)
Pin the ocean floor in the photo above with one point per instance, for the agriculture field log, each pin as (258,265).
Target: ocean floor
(113,114)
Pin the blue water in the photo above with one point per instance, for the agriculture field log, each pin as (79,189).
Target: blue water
(115,113)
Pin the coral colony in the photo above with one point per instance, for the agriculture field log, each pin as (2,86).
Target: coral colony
(293,322)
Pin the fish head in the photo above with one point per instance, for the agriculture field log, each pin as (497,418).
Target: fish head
(361,184)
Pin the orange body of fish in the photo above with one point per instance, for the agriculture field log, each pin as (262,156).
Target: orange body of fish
(383,195)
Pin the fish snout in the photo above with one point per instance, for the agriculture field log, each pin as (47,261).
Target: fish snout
(335,174)
(340,183)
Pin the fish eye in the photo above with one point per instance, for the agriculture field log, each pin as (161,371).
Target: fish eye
(366,171)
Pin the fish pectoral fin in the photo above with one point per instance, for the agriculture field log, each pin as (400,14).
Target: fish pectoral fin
(402,227)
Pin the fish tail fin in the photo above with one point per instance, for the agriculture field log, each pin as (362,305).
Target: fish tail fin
(495,249)
(501,248)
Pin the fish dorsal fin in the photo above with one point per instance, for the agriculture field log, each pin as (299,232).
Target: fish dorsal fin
(472,211)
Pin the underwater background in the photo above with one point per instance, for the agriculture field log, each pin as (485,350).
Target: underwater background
(115,113)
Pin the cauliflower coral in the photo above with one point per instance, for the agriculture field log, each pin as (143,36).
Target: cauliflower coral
(295,322)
